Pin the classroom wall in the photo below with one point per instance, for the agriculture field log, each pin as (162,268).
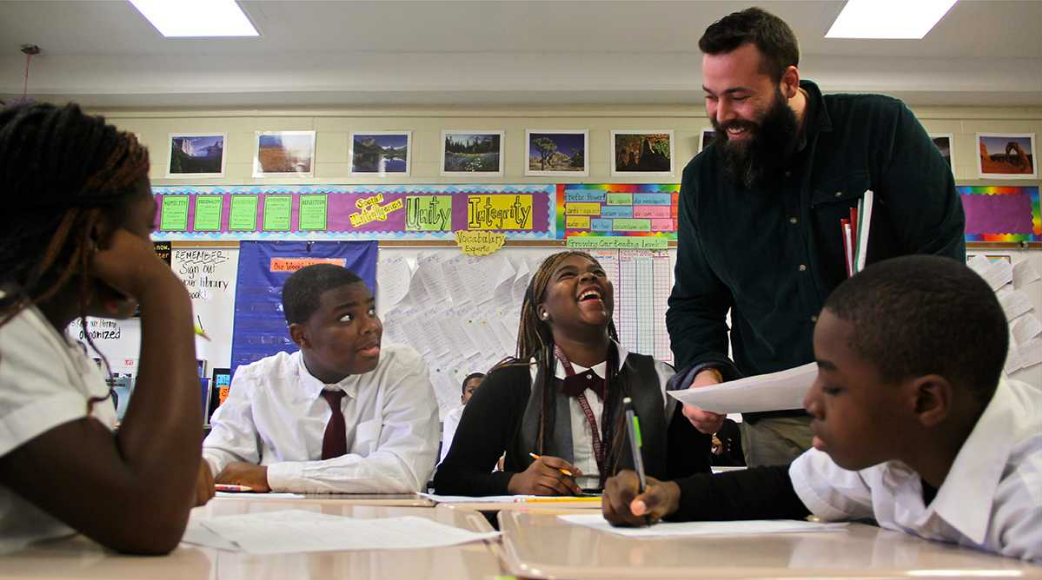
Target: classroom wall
(334,125)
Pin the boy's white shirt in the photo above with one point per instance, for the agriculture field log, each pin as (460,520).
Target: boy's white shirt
(45,381)
(275,416)
(990,500)
(448,431)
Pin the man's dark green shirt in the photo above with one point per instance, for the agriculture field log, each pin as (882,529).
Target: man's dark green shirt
(773,254)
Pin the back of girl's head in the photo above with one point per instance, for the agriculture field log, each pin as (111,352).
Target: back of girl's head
(533,334)
(60,172)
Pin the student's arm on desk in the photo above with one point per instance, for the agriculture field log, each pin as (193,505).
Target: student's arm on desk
(405,452)
(130,490)
(752,494)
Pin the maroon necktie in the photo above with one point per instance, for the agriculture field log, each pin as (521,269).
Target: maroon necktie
(334,441)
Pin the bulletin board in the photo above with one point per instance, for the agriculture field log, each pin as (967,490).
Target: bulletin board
(1002,213)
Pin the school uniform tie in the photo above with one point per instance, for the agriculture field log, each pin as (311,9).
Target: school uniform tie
(334,440)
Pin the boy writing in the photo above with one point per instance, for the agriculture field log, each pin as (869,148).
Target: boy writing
(341,414)
(914,425)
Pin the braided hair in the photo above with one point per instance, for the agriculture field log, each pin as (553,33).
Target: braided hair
(535,341)
(61,171)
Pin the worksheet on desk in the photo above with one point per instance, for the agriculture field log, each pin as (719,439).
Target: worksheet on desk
(304,531)
(680,529)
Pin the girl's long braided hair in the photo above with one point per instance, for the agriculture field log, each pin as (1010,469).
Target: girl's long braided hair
(535,341)
(61,171)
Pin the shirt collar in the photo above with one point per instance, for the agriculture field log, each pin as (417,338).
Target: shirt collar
(598,369)
(817,118)
(314,387)
(965,498)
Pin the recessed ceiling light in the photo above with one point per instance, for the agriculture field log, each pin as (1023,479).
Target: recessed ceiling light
(196,18)
(888,18)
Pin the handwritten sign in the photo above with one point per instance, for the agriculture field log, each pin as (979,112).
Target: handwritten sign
(372,211)
(428,213)
(499,212)
(618,242)
(208,209)
(242,216)
(175,213)
(479,243)
(278,212)
(313,212)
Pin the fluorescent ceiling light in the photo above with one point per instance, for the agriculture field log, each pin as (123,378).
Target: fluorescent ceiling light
(888,18)
(196,18)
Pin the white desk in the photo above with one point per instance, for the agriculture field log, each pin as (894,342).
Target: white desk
(79,558)
(543,546)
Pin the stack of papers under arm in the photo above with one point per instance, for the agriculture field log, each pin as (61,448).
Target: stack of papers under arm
(291,531)
(778,391)
(736,528)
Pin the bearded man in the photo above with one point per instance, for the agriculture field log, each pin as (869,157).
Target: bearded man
(759,227)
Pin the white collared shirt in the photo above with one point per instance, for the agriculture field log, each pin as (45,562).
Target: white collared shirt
(448,430)
(582,434)
(275,416)
(990,500)
(45,381)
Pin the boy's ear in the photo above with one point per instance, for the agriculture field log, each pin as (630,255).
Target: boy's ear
(299,334)
(933,399)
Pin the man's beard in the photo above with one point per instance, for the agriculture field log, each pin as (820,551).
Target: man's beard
(766,150)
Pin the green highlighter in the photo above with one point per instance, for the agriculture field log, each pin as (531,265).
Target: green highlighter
(633,424)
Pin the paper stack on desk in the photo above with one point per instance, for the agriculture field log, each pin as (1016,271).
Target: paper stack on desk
(290,531)
(679,529)
(771,392)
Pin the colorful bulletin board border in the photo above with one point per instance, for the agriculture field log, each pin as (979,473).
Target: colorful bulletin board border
(1002,213)
(343,212)
(617,209)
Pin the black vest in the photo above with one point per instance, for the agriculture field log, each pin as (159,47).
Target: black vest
(636,379)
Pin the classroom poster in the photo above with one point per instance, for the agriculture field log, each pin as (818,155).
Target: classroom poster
(1002,213)
(260,326)
(210,274)
(617,215)
(367,212)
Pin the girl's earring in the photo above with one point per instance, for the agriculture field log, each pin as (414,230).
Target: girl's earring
(546,315)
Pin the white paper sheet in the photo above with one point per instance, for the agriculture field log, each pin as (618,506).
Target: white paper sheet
(1030,353)
(304,531)
(670,529)
(770,392)
(268,495)
(474,499)
(200,535)
(394,277)
(1023,273)
(1025,328)
(1014,303)
(997,273)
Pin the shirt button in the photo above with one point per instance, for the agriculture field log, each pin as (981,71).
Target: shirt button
(839,194)
(793,220)
(803,267)
(788,174)
(814,318)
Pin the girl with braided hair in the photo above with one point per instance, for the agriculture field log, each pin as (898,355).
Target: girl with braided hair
(555,407)
(75,242)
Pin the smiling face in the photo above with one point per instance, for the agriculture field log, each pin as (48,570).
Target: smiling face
(738,92)
(342,337)
(858,419)
(578,297)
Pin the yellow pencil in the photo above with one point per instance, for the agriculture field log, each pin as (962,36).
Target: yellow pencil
(564,471)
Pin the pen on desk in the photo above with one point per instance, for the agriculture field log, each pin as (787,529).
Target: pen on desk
(564,471)
(633,425)
(231,487)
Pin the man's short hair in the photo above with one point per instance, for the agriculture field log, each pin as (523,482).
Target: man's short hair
(771,35)
(470,377)
(302,292)
(920,315)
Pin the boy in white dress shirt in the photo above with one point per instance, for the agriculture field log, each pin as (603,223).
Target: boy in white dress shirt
(470,384)
(914,424)
(341,415)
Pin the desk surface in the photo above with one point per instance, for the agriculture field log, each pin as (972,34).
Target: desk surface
(543,546)
(79,558)
(371,499)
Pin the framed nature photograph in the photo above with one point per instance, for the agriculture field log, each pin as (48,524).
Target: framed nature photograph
(381,153)
(642,153)
(945,144)
(472,153)
(556,153)
(284,154)
(1006,156)
(196,155)
(705,138)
